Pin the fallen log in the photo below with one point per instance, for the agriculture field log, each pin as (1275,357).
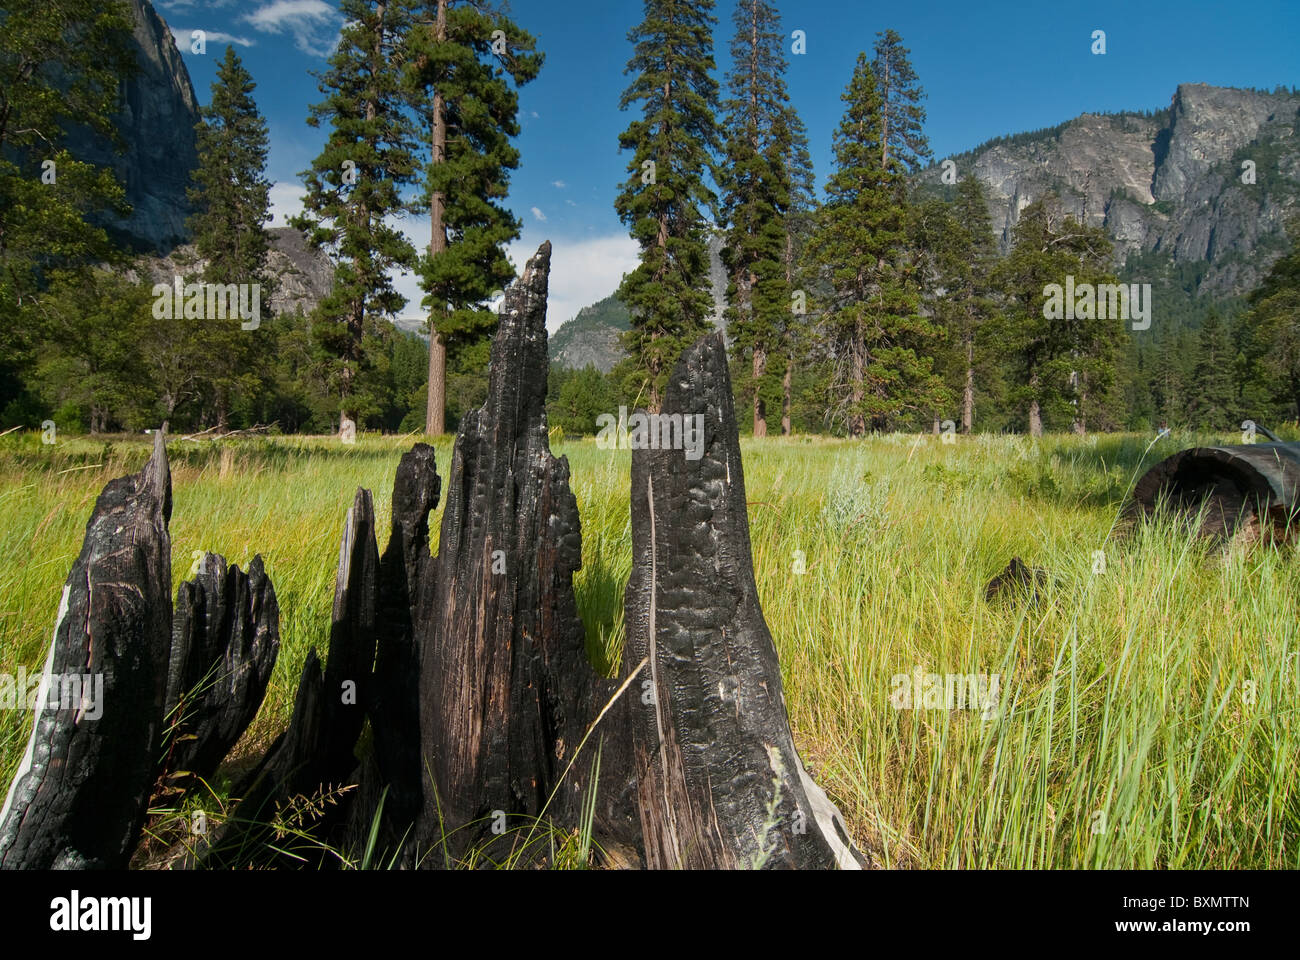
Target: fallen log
(720,782)
(1239,492)
(225,639)
(82,789)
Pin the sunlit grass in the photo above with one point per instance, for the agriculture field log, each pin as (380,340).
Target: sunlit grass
(1148,712)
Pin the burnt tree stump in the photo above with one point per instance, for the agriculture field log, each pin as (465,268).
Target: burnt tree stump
(225,638)
(316,754)
(394,701)
(81,792)
(720,782)
(506,687)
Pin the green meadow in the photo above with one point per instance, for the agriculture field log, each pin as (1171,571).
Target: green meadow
(1148,707)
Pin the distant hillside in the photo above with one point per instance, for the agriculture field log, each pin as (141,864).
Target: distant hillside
(1166,185)
(591,338)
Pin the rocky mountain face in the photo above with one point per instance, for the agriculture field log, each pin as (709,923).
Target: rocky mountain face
(302,276)
(1176,184)
(156,117)
(591,339)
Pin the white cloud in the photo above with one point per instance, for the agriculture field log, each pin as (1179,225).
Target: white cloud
(313,24)
(538,214)
(286,201)
(582,270)
(184,38)
(558,184)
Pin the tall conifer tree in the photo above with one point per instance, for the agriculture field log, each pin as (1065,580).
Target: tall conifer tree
(963,254)
(1214,404)
(665,199)
(354,187)
(465,61)
(763,150)
(860,249)
(1059,363)
(231,200)
(901,114)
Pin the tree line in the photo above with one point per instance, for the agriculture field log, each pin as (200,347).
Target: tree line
(419,103)
(876,306)
(885,306)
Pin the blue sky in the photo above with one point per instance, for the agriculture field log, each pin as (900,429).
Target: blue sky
(988,68)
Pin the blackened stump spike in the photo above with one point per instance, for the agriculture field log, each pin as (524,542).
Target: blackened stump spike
(81,792)
(316,754)
(225,639)
(720,782)
(506,688)
(394,704)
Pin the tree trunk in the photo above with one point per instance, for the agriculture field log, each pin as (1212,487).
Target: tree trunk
(225,639)
(435,409)
(968,393)
(858,424)
(785,399)
(760,413)
(720,783)
(506,691)
(79,797)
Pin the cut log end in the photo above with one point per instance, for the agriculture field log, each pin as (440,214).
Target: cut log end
(1239,494)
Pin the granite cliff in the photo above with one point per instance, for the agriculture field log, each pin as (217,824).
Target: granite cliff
(156,115)
(1167,184)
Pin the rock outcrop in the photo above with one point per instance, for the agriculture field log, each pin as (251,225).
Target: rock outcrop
(1167,183)
(156,121)
(301,277)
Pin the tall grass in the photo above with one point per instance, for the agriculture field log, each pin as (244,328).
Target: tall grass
(1147,714)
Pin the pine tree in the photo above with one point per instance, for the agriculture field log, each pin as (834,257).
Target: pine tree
(901,114)
(1169,379)
(463,59)
(960,256)
(231,200)
(800,342)
(1061,365)
(1213,403)
(354,187)
(860,248)
(1274,324)
(61,62)
(665,198)
(757,184)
